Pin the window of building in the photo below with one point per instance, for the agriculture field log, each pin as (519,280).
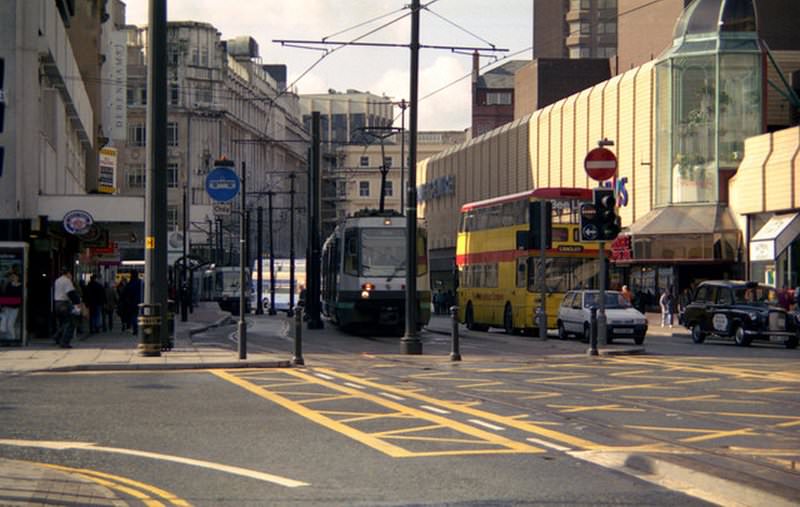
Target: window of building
(586,29)
(172,134)
(143,96)
(135,176)
(172,55)
(204,93)
(364,161)
(137,135)
(195,56)
(172,218)
(131,96)
(388,189)
(363,188)
(387,162)
(172,175)
(575,5)
(498,98)
(579,53)
(174,94)
(204,57)
(341,188)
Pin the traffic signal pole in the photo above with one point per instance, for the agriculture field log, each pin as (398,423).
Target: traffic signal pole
(602,335)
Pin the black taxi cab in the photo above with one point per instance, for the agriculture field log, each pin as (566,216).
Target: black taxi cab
(744,311)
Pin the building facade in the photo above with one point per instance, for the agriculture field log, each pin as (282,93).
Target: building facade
(222,102)
(574,28)
(679,125)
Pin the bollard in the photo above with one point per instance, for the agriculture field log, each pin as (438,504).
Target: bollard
(149,322)
(297,360)
(593,332)
(455,353)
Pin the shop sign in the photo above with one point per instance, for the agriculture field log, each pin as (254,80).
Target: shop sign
(621,248)
(78,222)
(620,192)
(570,248)
(440,187)
(106,179)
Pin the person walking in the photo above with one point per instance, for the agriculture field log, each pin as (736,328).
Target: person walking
(131,297)
(66,300)
(666,308)
(95,298)
(109,307)
(627,294)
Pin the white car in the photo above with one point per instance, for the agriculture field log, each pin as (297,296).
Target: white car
(622,319)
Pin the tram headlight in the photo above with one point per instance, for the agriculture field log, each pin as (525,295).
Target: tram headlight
(366,288)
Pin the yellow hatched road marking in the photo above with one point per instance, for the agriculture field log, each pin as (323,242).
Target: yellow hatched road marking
(613,407)
(540,396)
(372,440)
(557,377)
(505,420)
(630,387)
(744,373)
(400,431)
(109,481)
(748,414)
(704,434)
(481,384)
(721,434)
(788,424)
(764,390)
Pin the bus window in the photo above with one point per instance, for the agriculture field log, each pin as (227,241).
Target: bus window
(521,272)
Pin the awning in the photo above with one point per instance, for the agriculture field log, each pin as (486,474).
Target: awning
(774,237)
(701,219)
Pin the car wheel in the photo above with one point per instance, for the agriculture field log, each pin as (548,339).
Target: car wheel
(638,340)
(741,339)
(698,336)
(562,333)
(508,320)
(587,332)
(791,343)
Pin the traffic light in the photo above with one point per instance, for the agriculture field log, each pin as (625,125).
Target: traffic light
(599,220)
(608,222)
(535,237)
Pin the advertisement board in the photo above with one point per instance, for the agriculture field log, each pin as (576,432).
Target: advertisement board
(107,172)
(13,292)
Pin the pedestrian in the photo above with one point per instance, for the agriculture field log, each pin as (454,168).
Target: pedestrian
(627,294)
(684,299)
(11,301)
(131,297)
(121,310)
(109,307)
(66,306)
(95,299)
(666,308)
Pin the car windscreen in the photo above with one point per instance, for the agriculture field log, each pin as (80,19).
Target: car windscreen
(760,294)
(612,300)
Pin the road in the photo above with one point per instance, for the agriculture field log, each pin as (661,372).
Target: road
(517,422)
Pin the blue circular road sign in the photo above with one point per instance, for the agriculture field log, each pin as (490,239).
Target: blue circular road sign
(222,184)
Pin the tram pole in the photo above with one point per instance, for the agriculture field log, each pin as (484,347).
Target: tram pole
(242,326)
(260,259)
(411,343)
(292,282)
(271,256)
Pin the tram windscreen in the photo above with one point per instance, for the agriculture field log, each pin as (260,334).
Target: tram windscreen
(383,252)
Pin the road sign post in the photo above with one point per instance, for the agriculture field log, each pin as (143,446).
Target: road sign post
(598,222)
(222,182)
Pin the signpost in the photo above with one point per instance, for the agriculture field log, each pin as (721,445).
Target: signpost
(222,182)
(600,165)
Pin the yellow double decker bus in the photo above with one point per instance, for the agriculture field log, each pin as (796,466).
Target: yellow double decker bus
(498,260)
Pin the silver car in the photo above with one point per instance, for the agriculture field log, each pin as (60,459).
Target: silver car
(623,320)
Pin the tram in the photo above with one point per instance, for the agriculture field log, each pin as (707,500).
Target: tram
(364,272)
(221,284)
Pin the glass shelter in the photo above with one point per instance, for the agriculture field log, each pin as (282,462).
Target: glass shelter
(709,98)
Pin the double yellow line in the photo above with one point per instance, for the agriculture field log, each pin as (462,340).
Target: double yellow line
(149,495)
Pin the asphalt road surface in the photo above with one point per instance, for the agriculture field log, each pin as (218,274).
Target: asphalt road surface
(517,422)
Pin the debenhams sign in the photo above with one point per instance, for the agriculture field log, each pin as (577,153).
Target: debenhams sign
(440,187)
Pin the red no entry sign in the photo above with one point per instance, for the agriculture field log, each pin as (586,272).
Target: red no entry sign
(600,164)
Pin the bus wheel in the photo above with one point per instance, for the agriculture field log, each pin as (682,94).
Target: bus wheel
(508,320)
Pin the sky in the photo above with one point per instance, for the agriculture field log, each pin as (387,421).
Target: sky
(505,24)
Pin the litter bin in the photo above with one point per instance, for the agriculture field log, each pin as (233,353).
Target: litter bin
(170,326)
(149,320)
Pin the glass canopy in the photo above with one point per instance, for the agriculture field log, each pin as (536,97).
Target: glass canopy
(709,88)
